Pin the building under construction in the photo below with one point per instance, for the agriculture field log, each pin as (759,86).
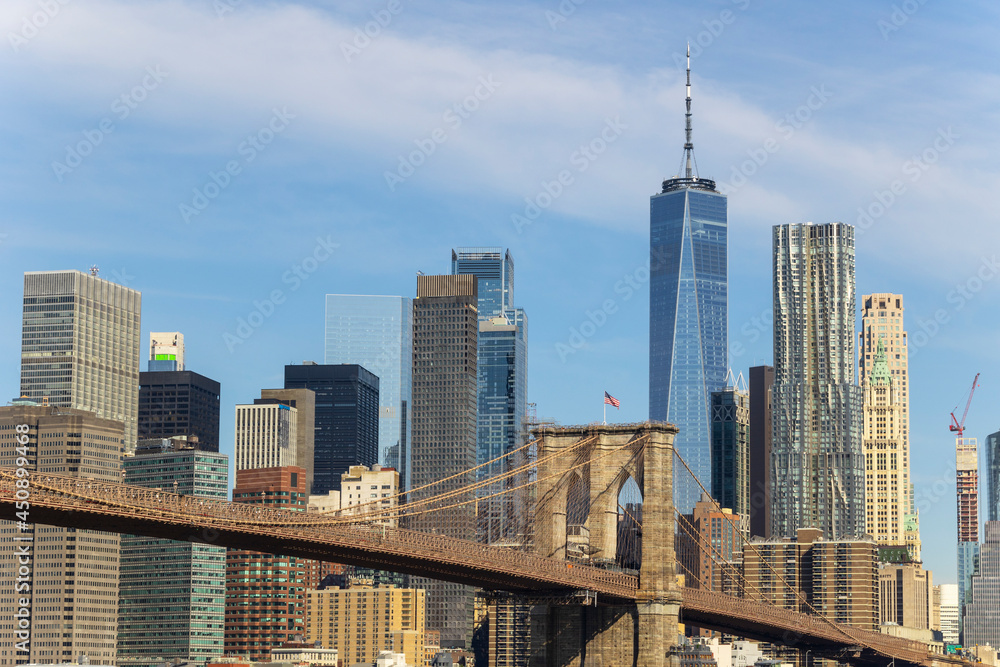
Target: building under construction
(967,487)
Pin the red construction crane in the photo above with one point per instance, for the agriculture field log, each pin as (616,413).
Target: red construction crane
(959,426)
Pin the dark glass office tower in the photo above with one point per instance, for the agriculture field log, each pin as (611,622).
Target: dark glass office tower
(993,477)
(495,270)
(346,418)
(688,312)
(761,379)
(730,449)
(179,403)
(502,382)
(445,335)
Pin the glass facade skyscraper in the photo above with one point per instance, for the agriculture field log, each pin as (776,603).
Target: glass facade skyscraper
(731,450)
(817,459)
(993,477)
(377,332)
(495,270)
(981,616)
(502,406)
(688,319)
(502,396)
(172,594)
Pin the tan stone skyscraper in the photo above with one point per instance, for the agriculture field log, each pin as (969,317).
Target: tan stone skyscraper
(890,514)
(80,345)
(445,339)
(73,581)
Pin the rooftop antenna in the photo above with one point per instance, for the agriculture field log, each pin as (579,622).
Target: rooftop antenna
(688,159)
(688,173)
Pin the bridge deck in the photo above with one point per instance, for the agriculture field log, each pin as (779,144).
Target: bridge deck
(118,508)
(87,504)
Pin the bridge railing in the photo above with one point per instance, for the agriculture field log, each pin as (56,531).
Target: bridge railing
(801,625)
(113,499)
(130,501)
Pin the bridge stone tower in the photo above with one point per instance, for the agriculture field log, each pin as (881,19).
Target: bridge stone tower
(598,462)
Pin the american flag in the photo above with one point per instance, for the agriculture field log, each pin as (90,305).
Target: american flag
(611,400)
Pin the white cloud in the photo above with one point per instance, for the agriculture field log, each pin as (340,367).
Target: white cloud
(226,75)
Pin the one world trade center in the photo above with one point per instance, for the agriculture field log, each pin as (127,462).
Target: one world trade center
(688,313)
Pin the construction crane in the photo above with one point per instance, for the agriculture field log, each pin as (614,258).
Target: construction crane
(959,426)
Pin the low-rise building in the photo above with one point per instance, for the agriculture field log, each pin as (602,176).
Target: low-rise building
(837,578)
(309,653)
(906,596)
(372,490)
(390,659)
(362,621)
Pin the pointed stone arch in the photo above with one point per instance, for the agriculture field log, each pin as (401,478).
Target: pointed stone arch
(604,457)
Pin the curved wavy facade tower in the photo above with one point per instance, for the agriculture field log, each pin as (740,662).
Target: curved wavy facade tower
(817,462)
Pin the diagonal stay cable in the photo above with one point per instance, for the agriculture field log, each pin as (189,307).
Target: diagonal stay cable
(357,512)
(837,626)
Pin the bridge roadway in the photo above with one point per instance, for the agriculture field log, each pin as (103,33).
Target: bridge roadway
(87,504)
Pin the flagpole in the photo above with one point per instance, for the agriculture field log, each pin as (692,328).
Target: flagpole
(605,412)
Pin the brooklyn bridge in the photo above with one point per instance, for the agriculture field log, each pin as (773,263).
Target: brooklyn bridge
(586,611)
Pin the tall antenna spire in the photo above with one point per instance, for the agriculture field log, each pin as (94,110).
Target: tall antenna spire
(688,146)
(688,173)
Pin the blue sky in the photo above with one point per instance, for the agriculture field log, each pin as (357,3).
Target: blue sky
(275,124)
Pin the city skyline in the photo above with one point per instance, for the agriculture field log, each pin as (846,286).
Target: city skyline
(852,145)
